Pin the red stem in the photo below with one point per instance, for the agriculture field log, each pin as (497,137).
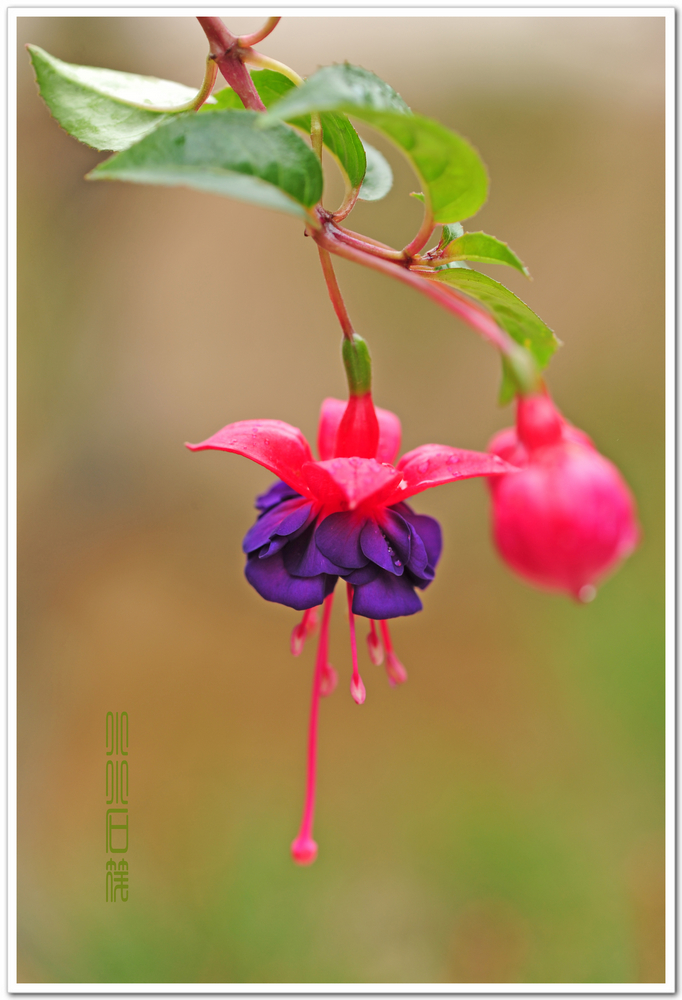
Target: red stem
(228,56)
(335,294)
(386,253)
(245,41)
(448,298)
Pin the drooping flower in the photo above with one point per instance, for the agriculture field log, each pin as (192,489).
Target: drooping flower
(345,517)
(567,518)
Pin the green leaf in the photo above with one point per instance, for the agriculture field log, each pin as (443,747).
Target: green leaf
(338,135)
(483,248)
(513,315)
(379,176)
(450,233)
(102,107)
(225,153)
(453,177)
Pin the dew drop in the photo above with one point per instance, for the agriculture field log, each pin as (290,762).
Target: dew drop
(397,562)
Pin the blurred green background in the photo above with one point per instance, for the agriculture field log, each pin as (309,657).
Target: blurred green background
(500,817)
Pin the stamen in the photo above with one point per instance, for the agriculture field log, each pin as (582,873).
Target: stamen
(375,646)
(395,670)
(300,632)
(330,679)
(304,848)
(357,688)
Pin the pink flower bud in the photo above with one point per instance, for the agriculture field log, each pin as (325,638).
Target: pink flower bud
(566,518)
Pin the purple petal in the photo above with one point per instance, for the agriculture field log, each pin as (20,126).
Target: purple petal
(303,558)
(386,596)
(282,520)
(376,547)
(419,560)
(427,528)
(338,538)
(397,532)
(278,491)
(271,580)
(363,575)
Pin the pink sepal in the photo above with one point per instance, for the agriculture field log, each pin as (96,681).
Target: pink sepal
(332,411)
(435,464)
(273,444)
(348,482)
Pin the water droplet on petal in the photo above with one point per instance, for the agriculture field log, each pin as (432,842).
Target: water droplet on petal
(587,593)
(397,562)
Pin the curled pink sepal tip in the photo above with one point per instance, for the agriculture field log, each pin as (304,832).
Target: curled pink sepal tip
(304,850)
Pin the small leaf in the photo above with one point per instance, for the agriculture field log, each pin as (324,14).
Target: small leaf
(453,177)
(226,154)
(418,195)
(378,177)
(483,248)
(338,135)
(342,86)
(450,233)
(102,107)
(513,315)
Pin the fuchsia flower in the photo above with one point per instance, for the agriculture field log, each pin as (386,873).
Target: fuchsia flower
(567,517)
(344,516)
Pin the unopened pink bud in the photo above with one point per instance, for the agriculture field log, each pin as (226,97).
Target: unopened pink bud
(395,670)
(328,681)
(357,690)
(566,518)
(375,646)
(304,850)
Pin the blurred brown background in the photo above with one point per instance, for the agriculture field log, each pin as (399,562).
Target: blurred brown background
(500,817)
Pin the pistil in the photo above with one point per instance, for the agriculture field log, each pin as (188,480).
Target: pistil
(304,848)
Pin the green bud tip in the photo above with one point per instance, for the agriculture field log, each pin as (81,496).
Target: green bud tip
(358,365)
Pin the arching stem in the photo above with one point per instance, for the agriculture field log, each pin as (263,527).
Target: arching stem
(245,41)
(335,294)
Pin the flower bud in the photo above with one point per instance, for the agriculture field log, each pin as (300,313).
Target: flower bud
(566,518)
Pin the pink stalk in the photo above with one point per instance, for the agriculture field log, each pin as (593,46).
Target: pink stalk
(395,670)
(304,848)
(357,688)
(225,47)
